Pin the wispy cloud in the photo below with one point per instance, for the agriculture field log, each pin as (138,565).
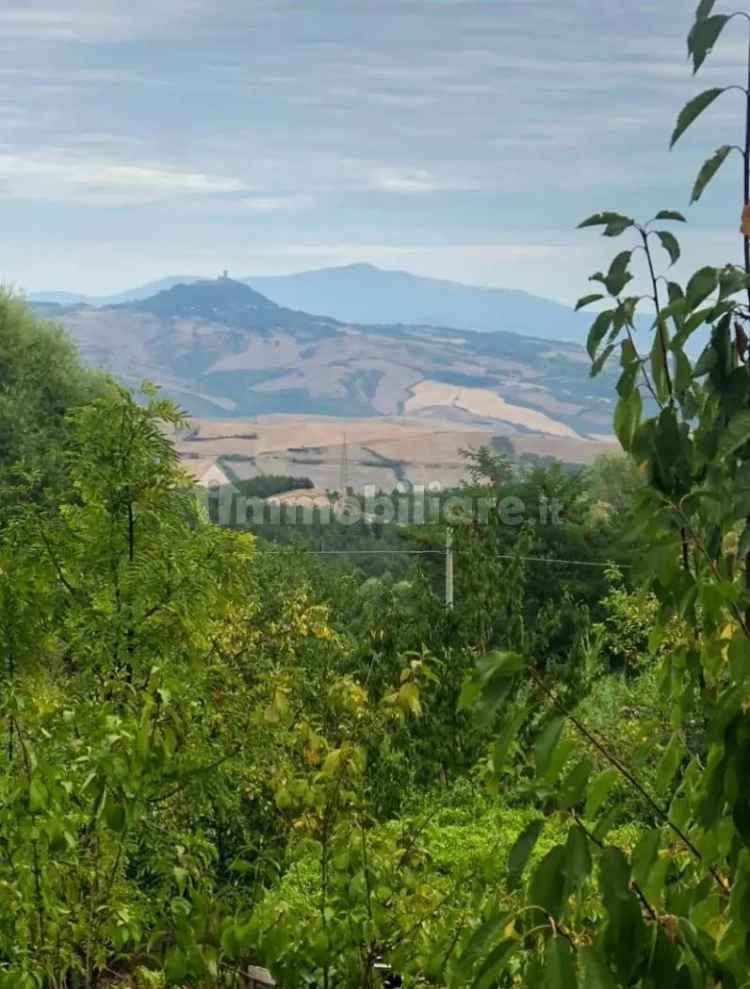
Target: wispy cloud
(405,180)
(83,181)
(92,21)
(446,124)
(274,204)
(40,22)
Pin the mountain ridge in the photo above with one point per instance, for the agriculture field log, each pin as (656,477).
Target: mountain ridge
(364,293)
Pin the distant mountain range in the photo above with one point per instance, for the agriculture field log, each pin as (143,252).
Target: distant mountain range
(365,294)
(130,295)
(222,348)
(362,293)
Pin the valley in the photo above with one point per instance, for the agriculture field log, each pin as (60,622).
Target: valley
(404,398)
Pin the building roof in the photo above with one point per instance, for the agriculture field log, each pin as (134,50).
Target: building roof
(315,497)
(206,471)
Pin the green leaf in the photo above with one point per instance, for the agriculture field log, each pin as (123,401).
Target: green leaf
(674,291)
(470,691)
(506,737)
(501,663)
(628,354)
(38,796)
(669,763)
(559,758)
(611,221)
(482,937)
(688,326)
(708,170)
(143,744)
(596,974)
(175,967)
(743,546)
(644,855)
(700,286)
(598,331)
(703,36)
(618,275)
(493,964)
(659,364)
(732,279)
(601,360)
(691,111)
(670,244)
(559,965)
(735,434)
(670,214)
(624,314)
(626,381)
(617,227)
(683,371)
(704,9)
(586,300)
(630,363)
(627,418)
(577,866)
(574,784)
(598,791)
(492,696)
(114,814)
(56,836)
(547,886)
(547,742)
(521,850)
(674,310)
(626,934)
(487,687)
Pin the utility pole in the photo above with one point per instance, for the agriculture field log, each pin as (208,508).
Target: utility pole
(344,478)
(448,569)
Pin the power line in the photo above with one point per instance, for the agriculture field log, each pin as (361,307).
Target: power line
(441,552)
(569,563)
(379,552)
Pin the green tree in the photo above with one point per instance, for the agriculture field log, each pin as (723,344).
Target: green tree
(669,906)
(41,380)
(140,651)
(614,480)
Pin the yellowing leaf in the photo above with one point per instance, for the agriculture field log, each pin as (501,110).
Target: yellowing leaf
(408,699)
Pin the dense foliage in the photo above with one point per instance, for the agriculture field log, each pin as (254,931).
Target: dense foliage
(42,380)
(266,485)
(218,750)
(670,908)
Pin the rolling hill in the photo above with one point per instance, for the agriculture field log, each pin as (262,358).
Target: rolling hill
(224,349)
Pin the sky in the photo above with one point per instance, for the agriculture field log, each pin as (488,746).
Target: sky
(460,139)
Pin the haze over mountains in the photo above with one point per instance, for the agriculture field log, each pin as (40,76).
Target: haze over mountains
(362,293)
(222,348)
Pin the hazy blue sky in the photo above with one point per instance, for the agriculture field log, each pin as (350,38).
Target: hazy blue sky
(456,138)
